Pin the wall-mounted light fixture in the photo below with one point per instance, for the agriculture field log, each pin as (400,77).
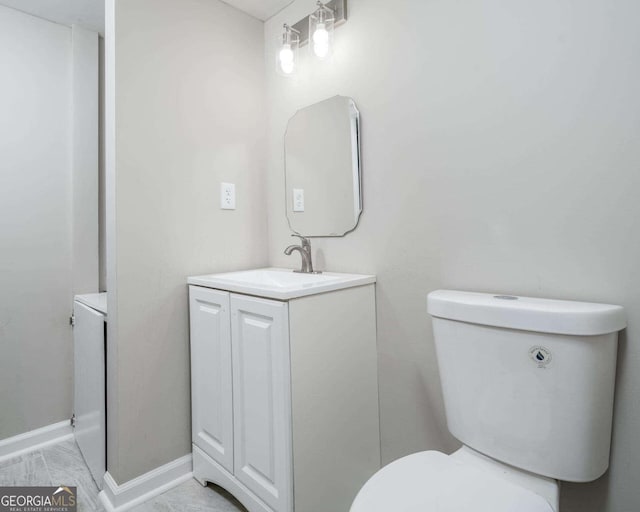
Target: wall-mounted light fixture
(287,54)
(315,29)
(321,24)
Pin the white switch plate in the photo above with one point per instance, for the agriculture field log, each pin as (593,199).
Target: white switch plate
(298,199)
(227,196)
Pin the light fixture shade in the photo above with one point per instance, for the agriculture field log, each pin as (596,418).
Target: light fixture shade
(287,52)
(321,26)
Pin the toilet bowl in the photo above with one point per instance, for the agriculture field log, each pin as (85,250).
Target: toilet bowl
(528,390)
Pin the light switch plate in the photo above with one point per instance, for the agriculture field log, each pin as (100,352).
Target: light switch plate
(298,199)
(227,196)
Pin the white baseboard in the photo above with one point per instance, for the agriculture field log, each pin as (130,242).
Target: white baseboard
(34,440)
(118,498)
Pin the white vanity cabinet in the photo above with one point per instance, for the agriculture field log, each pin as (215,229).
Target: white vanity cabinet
(285,396)
(211,377)
(240,388)
(261,403)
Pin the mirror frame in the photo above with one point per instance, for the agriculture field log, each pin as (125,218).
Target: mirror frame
(356,159)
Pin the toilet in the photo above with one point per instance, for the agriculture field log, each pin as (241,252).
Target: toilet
(528,389)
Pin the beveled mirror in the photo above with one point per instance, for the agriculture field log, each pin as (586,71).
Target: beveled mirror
(322,169)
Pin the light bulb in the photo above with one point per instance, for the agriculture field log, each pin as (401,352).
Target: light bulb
(321,36)
(286,67)
(286,59)
(286,54)
(321,50)
(321,41)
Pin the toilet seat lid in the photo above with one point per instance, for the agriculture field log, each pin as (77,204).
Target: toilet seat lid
(434,482)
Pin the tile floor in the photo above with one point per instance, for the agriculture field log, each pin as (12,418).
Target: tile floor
(62,464)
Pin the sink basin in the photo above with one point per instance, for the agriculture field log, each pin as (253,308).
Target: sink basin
(277,278)
(280,283)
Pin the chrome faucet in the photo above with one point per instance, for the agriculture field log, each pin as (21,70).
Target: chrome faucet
(305,251)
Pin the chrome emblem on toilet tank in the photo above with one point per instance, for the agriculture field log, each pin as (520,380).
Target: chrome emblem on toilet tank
(540,355)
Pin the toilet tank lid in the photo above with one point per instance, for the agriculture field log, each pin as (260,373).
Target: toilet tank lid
(527,313)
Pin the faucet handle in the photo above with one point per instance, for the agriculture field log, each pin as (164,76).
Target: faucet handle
(305,241)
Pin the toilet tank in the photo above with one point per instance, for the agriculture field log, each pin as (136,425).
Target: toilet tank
(528,381)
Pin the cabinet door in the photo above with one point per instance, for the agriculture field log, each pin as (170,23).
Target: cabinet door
(211,382)
(262,399)
(89,400)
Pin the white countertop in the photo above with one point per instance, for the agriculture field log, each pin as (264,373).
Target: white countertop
(280,283)
(97,301)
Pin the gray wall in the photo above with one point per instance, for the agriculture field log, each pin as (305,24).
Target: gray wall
(189,113)
(501,154)
(102,184)
(85,159)
(48,211)
(35,223)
